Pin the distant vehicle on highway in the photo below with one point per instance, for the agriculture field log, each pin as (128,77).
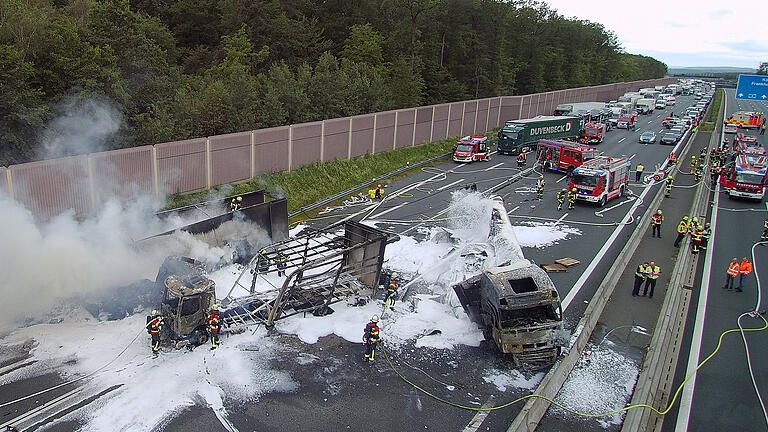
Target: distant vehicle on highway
(678,129)
(660,103)
(648,137)
(731,128)
(669,138)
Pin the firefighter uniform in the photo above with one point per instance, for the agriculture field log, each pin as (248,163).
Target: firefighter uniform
(745,268)
(236,204)
(656,221)
(706,233)
(668,188)
(540,188)
(371,338)
(764,235)
(654,272)
(561,198)
(389,299)
(521,160)
(154,326)
(377,192)
(262,262)
(214,325)
(696,237)
(682,230)
(730,274)
(280,262)
(693,164)
(640,275)
(572,199)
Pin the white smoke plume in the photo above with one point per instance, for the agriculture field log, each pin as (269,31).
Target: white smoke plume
(83,126)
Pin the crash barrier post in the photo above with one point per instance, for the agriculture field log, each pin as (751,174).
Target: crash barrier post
(654,385)
(533,411)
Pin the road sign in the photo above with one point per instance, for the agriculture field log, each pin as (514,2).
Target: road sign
(752,87)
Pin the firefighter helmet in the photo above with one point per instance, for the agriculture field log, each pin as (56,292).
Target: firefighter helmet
(695,219)
(393,275)
(685,217)
(707,225)
(239,198)
(215,307)
(375,318)
(669,177)
(573,190)
(155,312)
(658,211)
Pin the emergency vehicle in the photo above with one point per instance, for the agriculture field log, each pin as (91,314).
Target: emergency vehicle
(746,119)
(593,133)
(563,155)
(601,179)
(627,121)
(470,149)
(741,141)
(746,175)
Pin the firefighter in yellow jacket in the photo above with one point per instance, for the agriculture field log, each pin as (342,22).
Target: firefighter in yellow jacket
(155,324)
(214,325)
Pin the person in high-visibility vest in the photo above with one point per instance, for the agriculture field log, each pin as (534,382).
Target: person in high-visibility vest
(682,230)
(764,235)
(696,236)
(214,325)
(745,268)
(693,163)
(236,204)
(654,272)
(668,187)
(639,172)
(540,187)
(572,199)
(705,235)
(656,221)
(561,198)
(731,273)
(640,275)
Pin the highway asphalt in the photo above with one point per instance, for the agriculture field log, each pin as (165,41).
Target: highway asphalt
(723,396)
(338,392)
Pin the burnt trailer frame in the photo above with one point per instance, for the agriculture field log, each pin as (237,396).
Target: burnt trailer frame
(322,267)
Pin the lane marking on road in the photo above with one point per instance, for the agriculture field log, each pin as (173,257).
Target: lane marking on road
(495,166)
(478,419)
(614,206)
(510,212)
(561,179)
(622,139)
(560,220)
(650,121)
(633,155)
(376,216)
(450,184)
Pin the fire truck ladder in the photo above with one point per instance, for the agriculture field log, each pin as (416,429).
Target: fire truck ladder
(322,267)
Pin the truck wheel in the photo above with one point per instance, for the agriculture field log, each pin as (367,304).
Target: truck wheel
(621,191)
(603,200)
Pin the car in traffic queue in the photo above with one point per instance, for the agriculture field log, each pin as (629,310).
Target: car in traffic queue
(669,138)
(647,137)
(660,104)
(678,129)
(730,128)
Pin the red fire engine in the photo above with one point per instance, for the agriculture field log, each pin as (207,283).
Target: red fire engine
(602,179)
(746,174)
(742,141)
(563,155)
(470,149)
(627,121)
(593,133)
(746,119)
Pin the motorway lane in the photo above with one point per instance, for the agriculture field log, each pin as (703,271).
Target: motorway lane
(723,396)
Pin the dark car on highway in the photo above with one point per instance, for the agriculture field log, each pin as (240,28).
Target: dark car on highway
(648,137)
(669,138)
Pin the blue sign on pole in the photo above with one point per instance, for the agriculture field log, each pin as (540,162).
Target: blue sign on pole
(752,87)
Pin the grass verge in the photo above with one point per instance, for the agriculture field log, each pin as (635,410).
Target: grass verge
(311,183)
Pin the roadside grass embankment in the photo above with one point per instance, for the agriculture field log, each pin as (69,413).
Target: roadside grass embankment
(709,124)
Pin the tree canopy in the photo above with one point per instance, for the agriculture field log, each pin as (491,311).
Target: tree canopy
(187,68)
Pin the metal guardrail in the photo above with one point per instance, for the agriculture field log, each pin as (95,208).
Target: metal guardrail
(533,411)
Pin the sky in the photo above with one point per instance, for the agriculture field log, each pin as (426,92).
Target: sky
(682,33)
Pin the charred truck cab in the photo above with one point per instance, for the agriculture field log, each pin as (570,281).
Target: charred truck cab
(187,297)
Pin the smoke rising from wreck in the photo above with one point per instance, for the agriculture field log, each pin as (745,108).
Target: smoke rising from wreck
(83,126)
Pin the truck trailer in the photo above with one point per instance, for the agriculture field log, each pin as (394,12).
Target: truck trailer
(522,135)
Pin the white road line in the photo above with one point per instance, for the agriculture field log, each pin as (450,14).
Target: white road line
(650,121)
(561,179)
(601,253)
(495,166)
(560,220)
(376,216)
(450,184)
(478,419)
(633,155)
(622,139)
(509,212)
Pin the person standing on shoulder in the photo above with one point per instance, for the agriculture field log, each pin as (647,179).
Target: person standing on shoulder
(682,230)
(654,272)
(572,199)
(764,235)
(640,275)
(155,324)
(656,221)
(540,187)
(745,268)
(639,172)
(371,338)
(730,274)
(561,198)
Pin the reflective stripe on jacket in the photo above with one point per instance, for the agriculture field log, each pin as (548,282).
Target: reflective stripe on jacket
(745,267)
(655,271)
(733,269)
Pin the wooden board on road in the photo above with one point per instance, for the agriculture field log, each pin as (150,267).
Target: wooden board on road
(568,262)
(554,268)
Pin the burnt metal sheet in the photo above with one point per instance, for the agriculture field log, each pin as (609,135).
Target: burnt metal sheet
(336,139)
(305,144)
(50,187)
(182,165)
(405,128)
(230,158)
(270,147)
(470,110)
(385,130)
(362,135)
(440,122)
(122,173)
(423,125)
(454,122)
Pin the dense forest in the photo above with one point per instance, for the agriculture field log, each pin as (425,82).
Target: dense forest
(175,69)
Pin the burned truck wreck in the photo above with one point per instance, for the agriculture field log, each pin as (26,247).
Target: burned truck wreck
(516,304)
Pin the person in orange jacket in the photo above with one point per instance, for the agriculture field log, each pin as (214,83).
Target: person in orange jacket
(730,274)
(745,268)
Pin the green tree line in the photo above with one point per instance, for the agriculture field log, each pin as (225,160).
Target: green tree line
(178,69)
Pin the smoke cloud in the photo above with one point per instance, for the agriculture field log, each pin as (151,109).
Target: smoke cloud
(83,126)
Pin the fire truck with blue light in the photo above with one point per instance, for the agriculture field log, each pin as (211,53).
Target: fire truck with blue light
(745,175)
(470,149)
(601,179)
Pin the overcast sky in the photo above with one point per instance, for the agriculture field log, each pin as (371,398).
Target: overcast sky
(682,32)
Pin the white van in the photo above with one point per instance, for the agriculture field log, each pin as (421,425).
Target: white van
(660,103)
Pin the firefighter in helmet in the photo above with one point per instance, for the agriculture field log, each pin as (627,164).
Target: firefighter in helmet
(693,164)
(377,192)
(155,324)
(572,199)
(668,188)
(656,220)
(371,337)
(540,187)
(391,296)
(682,230)
(214,325)
(280,262)
(236,203)
(561,198)
(706,233)
(764,235)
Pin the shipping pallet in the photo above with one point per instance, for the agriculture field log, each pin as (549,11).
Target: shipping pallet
(568,262)
(554,268)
